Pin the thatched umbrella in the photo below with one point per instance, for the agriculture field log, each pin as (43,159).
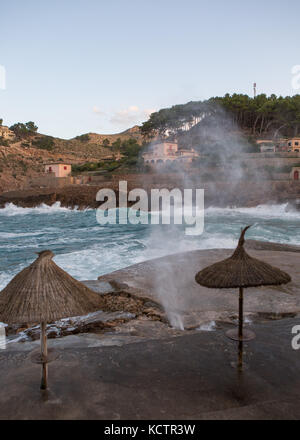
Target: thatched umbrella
(43,292)
(241,271)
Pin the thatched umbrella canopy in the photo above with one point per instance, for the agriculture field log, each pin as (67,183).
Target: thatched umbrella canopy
(43,292)
(241,270)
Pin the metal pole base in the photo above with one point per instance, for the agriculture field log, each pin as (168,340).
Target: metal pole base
(248,335)
(37,358)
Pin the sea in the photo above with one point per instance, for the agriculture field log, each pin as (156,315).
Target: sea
(86,249)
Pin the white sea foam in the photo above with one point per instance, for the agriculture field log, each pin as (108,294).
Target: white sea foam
(98,260)
(207,327)
(10,209)
(266,210)
(217,241)
(282,211)
(86,250)
(20,234)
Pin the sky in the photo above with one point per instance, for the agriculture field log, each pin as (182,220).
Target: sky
(77,66)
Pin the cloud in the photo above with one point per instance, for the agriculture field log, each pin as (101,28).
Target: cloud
(98,111)
(131,115)
(126,117)
(132,108)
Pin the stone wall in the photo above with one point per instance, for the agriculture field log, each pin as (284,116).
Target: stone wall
(49,181)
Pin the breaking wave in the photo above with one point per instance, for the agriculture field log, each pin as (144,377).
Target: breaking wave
(283,211)
(11,210)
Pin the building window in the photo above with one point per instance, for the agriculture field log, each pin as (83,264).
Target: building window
(290,144)
(296,143)
(50,169)
(65,168)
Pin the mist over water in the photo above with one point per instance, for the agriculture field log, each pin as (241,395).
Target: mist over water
(222,147)
(87,250)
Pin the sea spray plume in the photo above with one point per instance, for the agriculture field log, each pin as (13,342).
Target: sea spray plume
(168,295)
(223,167)
(214,133)
(221,144)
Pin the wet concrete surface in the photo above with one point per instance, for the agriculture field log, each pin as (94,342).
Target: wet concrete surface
(190,376)
(171,281)
(144,369)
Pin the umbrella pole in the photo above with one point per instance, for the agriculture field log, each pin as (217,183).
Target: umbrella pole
(44,354)
(240,360)
(241,300)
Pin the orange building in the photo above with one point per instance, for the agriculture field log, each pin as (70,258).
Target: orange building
(58,169)
(167,152)
(294,144)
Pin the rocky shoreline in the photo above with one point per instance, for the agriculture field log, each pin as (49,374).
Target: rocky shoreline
(120,306)
(221,194)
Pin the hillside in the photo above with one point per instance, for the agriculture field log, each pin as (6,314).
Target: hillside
(24,155)
(96,145)
(262,116)
(222,130)
(132,133)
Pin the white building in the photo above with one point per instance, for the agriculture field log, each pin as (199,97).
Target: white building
(6,133)
(267,148)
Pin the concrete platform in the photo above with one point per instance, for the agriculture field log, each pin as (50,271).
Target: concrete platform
(184,377)
(171,281)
